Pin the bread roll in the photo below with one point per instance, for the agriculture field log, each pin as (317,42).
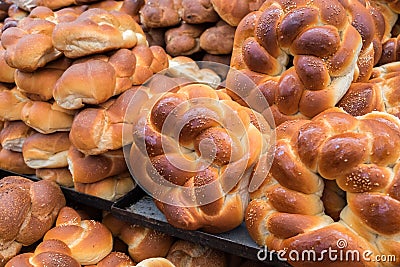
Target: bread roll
(160,13)
(110,188)
(48,253)
(14,134)
(28,210)
(56,120)
(14,162)
(188,254)
(39,85)
(89,241)
(11,98)
(197,12)
(210,39)
(7,72)
(115,259)
(94,80)
(61,176)
(183,40)
(234,11)
(36,28)
(46,150)
(104,31)
(93,168)
(142,242)
(130,7)
(149,60)
(97,130)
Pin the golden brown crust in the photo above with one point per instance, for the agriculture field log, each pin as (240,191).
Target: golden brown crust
(28,209)
(324,53)
(184,253)
(160,13)
(89,241)
(93,168)
(14,161)
(56,120)
(61,176)
(110,188)
(47,253)
(94,80)
(36,28)
(11,98)
(7,72)
(183,40)
(116,259)
(234,11)
(210,39)
(155,262)
(38,85)
(46,150)
(351,165)
(144,243)
(202,133)
(14,134)
(196,12)
(104,31)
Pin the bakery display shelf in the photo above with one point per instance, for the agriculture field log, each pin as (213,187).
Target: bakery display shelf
(137,207)
(70,193)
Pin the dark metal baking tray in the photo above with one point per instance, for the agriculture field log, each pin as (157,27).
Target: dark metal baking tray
(70,193)
(137,207)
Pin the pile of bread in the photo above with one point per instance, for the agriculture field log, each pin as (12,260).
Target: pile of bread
(328,71)
(38,228)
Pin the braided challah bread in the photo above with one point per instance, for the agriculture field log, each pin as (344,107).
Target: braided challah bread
(362,155)
(304,55)
(89,241)
(27,210)
(49,253)
(195,150)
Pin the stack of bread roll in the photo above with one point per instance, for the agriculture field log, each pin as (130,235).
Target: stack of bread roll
(195,28)
(58,87)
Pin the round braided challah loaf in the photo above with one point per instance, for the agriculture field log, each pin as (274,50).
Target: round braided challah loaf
(49,253)
(304,55)
(362,155)
(27,210)
(195,151)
